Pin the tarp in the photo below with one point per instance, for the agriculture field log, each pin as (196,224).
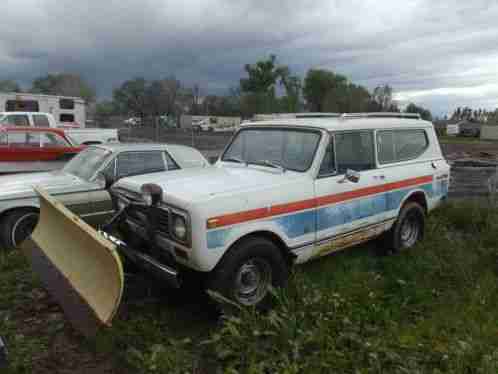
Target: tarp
(80,269)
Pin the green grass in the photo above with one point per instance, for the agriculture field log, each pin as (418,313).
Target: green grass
(431,310)
(447,139)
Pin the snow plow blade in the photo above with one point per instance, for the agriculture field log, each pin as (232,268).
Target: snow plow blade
(80,269)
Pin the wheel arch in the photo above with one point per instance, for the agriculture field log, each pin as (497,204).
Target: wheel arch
(418,196)
(269,235)
(7,211)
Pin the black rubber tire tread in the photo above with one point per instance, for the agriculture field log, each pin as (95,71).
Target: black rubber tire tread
(222,277)
(7,224)
(391,242)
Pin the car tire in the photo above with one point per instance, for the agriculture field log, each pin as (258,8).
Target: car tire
(406,231)
(244,275)
(17,226)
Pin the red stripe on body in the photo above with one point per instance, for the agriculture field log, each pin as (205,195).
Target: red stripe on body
(275,210)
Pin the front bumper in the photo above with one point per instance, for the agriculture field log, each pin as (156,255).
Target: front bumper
(157,269)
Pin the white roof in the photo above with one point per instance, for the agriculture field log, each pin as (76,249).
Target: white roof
(345,123)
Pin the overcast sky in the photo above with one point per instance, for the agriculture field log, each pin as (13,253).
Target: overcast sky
(437,53)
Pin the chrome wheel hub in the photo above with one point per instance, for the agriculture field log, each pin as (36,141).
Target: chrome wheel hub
(252,281)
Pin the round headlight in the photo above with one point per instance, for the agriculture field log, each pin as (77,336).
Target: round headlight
(180,228)
(147,198)
(121,204)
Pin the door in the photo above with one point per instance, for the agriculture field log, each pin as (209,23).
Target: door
(348,212)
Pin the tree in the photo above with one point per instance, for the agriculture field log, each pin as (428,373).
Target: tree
(131,97)
(64,85)
(105,109)
(326,91)
(9,85)
(383,97)
(292,85)
(424,113)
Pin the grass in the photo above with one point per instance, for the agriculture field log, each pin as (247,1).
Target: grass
(447,139)
(431,310)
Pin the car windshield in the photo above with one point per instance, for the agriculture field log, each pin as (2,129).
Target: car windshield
(285,148)
(86,163)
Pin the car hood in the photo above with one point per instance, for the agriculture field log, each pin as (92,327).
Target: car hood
(21,185)
(189,185)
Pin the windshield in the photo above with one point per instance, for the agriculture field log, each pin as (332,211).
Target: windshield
(287,148)
(86,163)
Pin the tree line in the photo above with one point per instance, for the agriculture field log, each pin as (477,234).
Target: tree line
(267,87)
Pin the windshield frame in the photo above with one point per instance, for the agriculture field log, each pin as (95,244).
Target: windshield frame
(279,128)
(109,159)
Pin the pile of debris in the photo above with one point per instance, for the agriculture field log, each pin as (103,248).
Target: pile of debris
(473,174)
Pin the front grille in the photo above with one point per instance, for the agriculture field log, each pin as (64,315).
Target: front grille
(163,221)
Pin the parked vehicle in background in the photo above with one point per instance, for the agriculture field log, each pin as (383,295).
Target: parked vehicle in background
(76,185)
(63,108)
(284,192)
(202,125)
(85,136)
(23,144)
(133,121)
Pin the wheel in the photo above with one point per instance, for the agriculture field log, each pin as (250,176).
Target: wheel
(17,226)
(408,228)
(247,271)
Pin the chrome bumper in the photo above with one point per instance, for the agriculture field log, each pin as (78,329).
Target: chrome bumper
(145,262)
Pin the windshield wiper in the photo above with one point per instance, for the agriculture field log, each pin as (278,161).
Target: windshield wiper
(235,159)
(272,164)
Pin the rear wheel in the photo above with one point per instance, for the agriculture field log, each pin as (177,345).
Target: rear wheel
(407,230)
(247,271)
(17,226)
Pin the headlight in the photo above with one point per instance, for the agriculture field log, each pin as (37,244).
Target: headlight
(179,227)
(121,204)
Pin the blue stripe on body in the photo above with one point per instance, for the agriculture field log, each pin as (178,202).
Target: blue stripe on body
(298,224)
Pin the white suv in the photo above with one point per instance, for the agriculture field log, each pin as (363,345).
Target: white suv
(284,192)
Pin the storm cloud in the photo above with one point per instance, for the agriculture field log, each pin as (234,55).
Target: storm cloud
(437,54)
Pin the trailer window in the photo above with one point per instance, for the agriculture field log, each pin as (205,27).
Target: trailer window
(66,103)
(22,106)
(41,120)
(66,117)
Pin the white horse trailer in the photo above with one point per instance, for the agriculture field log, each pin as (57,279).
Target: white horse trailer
(65,109)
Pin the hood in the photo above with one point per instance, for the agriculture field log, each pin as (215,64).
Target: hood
(21,185)
(202,183)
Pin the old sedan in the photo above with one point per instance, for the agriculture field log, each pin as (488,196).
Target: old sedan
(77,187)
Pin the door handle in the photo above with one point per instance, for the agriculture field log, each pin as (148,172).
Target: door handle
(380,177)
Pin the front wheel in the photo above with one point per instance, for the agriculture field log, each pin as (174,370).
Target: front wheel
(247,271)
(16,227)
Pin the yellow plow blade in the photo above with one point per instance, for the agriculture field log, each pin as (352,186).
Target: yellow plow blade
(79,267)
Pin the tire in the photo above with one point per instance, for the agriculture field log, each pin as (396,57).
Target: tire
(245,273)
(407,230)
(17,226)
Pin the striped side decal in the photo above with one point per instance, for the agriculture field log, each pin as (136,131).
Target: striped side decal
(254,214)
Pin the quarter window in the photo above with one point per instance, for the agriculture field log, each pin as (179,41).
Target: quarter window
(400,145)
(66,103)
(170,162)
(354,150)
(134,163)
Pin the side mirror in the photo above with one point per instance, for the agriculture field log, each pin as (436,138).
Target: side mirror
(351,176)
(104,180)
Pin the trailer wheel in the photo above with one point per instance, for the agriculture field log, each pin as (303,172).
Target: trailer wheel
(17,226)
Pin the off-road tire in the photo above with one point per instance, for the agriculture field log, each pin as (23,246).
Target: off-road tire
(396,239)
(255,249)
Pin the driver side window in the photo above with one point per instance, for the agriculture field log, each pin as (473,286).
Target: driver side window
(354,150)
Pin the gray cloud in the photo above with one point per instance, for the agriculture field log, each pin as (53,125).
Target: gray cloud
(439,54)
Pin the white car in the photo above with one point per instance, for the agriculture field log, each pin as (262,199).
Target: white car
(284,192)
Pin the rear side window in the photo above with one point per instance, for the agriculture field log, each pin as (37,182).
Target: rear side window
(400,145)
(354,150)
(53,140)
(135,163)
(3,139)
(22,106)
(40,120)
